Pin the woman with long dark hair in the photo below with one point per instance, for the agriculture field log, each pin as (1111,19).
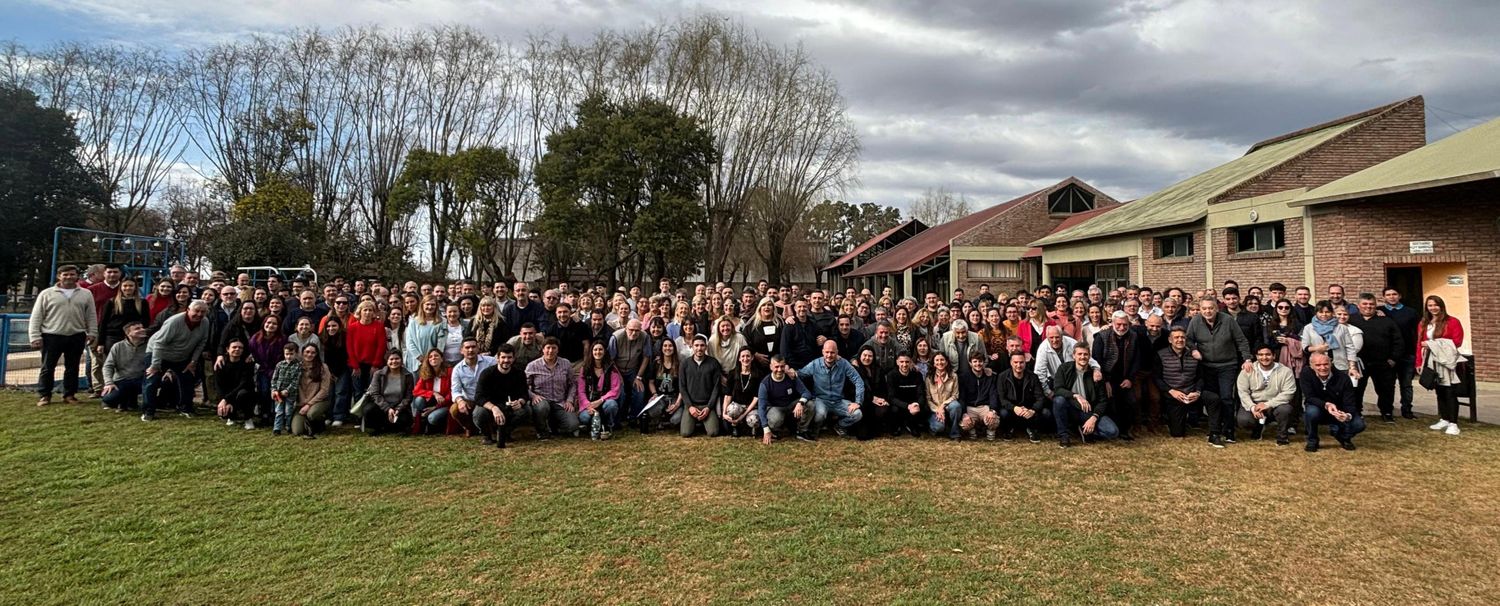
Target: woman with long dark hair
(265,348)
(182,295)
(1439,336)
(599,391)
(313,395)
(744,388)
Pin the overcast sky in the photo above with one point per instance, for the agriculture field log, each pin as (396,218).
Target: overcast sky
(989,98)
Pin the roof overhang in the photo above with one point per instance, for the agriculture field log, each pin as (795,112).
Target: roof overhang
(1311,200)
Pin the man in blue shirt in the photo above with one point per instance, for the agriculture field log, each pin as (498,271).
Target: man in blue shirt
(782,397)
(828,375)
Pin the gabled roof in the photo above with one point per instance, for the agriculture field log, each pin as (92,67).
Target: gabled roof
(916,225)
(1068,223)
(1471,155)
(927,245)
(1187,201)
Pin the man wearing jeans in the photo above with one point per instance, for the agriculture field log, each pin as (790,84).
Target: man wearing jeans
(175,351)
(1406,320)
(125,369)
(1329,398)
(1079,401)
(829,373)
(62,323)
(554,395)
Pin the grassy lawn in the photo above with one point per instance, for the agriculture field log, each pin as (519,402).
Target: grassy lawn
(98,507)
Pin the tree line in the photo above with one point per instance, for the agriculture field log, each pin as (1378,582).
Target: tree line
(445,151)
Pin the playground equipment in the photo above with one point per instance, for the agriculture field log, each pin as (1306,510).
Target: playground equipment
(138,255)
(260,273)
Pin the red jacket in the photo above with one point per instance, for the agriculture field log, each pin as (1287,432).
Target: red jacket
(102,294)
(425,387)
(366,344)
(1453,331)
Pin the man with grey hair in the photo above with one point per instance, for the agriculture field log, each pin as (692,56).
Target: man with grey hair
(174,352)
(1119,351)
(1058,350)
(958,344)
(1222,352)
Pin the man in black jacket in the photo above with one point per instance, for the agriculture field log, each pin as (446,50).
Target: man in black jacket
(572,336)
(501,394)
(907,393)
(1022,402)
(1329,397)
(1118,351)
(976,391)
(1406,320)
(1381,353)
(1080,402)
(800,340)
(1250,325)
(1181,385)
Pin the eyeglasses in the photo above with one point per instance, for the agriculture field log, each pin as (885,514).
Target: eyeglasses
(1283,307)
(340,302)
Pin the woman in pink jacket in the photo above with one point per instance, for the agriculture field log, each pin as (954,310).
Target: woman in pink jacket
(598,392)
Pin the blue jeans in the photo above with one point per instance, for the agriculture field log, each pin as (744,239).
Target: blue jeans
(1220,381)
(1313,416)
(344,386)
(634,399)
(1069,415)
(284,411)
(609,410)
(838,410)
(183,382)
(434,417)
(1406,370)
(125,394)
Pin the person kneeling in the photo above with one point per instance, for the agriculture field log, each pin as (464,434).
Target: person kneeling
(388,399)
(781,400)
(1266,391)
(976,390)
(1022,401)
(1078,401)
(1179,376)
(1329,398)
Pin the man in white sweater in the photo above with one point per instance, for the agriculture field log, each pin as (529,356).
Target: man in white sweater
(63,322)
(1266,393)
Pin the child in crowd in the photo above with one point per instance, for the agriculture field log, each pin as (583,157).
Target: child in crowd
(284,388)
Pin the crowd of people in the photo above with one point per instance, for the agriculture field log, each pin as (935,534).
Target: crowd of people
(766,362)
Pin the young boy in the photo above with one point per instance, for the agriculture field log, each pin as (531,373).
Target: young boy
(284,388)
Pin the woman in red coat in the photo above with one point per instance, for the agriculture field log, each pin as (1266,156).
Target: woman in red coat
(364,337)
(433,392)
(1437,324)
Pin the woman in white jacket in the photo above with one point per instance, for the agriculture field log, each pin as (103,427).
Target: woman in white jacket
(1325,335)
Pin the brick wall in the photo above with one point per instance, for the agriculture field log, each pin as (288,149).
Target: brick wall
(1022,224)
(1261,268)
(1354,242)
(1384,136)
(1162,274)
(971,285)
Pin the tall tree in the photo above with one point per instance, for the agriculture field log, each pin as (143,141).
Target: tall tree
(42,185)
(617,162)
(845,225)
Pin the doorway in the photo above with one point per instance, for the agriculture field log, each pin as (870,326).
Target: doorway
(1408,282)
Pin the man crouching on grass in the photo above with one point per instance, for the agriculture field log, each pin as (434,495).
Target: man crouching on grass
(782,398)
(1078,401)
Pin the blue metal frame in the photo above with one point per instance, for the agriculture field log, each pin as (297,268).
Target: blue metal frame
(138,252)
(4,346)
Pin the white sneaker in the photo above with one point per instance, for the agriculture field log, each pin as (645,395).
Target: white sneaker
(1439,426)
(249,424)
(1452,429)
(228,422)
(338,423)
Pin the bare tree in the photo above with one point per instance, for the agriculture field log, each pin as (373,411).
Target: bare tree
(938,206)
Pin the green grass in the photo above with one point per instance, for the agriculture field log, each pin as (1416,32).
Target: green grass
(97,507)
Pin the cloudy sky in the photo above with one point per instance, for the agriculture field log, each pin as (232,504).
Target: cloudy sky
(988,98)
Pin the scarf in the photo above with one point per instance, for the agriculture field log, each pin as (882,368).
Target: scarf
(1396,307)
(1325,329)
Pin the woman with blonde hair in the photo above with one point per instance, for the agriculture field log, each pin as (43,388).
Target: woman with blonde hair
(725,343)
(486,326)
(422,332)
(763,332)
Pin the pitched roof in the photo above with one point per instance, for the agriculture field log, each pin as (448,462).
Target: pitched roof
(917,225)
(1187,200)
(923,247)
(1471,155)
(1036,251)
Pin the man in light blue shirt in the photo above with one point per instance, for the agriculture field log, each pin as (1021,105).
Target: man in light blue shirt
(828,375)
(465,380)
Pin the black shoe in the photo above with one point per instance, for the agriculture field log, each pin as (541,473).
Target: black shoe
(1229,438)
(1387,418)
(148,417)
(308,436)
(1008,435)
(185,414)
(806,437)
(1346,444)
(1033,437)
(1311,447)
(543,435)
(1406,413)
(1125,435)
(488,441)
(1215,441)
(841,432)
(1282,441)
(1063,441)
(1259,432)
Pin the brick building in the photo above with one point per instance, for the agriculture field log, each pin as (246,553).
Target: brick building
(1232,221)
(985,247)
(1427,223)
(867,250)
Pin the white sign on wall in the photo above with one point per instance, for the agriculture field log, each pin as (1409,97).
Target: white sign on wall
(1420,247)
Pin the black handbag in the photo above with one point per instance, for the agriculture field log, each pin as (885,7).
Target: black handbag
(1429,378)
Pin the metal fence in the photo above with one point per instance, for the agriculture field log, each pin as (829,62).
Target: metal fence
(20,363)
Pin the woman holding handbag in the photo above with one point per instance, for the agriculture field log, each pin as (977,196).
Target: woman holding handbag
(1439,336)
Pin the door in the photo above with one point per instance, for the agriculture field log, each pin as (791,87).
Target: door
(1408,282)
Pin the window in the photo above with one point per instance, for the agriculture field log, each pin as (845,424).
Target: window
(1069,200)
(1174,247)
(1111,275)
(1005,270)
(1258,238)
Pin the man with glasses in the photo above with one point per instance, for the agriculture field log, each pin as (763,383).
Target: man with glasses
(1406,320)
(342,309)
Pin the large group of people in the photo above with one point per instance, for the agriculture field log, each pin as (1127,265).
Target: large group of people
(765,362)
